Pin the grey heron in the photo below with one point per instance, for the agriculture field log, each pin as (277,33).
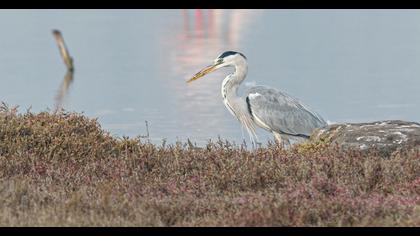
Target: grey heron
(265,107)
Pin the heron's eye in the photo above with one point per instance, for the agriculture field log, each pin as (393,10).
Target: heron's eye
(219,60)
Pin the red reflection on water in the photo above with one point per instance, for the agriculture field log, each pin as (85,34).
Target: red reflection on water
(198,22)
(214,31)
(201,36)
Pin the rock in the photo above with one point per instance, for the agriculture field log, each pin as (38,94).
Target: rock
(385,136)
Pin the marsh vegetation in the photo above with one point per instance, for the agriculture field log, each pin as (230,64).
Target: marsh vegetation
(63,169)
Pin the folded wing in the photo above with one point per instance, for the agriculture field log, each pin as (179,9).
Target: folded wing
(277,111)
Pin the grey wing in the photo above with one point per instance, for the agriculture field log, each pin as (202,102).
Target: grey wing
(277,111)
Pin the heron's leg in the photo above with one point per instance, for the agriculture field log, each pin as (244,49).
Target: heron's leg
(282,140)
(278,138)
(286,142)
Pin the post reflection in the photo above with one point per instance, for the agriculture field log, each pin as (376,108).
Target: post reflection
(63,90)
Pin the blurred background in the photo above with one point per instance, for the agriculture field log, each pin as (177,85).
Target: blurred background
(131,65)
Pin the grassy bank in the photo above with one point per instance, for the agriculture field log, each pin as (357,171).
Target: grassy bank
(64,170)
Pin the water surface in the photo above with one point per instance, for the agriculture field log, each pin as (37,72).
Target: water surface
(131,65)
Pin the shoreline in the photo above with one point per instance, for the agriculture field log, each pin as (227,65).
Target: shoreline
(63,170)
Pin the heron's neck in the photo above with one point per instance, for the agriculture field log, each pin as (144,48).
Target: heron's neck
(235,104)
(231,83)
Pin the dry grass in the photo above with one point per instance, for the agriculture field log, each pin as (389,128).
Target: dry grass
(63,170)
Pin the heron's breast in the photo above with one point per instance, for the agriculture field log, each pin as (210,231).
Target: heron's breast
(229,107)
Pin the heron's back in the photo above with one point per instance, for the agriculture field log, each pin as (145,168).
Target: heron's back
(281,112)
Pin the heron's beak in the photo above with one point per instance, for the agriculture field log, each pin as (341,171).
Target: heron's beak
(204,72)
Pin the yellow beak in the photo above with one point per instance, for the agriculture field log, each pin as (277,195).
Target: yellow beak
(203,72)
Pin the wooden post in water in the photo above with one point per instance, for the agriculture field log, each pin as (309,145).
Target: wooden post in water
(68,60)
(68,78)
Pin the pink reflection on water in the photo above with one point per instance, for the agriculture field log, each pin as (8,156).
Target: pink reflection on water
(214,31)
(199,23)
(204,34)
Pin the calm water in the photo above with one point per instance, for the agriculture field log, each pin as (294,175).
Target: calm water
(131,65)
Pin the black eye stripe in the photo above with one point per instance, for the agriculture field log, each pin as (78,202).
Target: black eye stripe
(229,53)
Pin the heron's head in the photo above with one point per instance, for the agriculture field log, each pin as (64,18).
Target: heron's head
(228,58)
